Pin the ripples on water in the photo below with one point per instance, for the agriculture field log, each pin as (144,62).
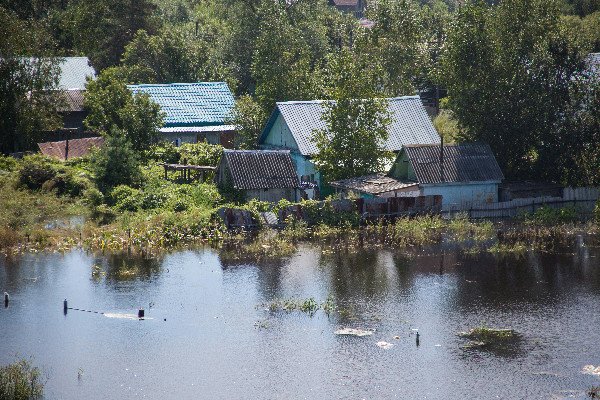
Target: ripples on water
(211,335)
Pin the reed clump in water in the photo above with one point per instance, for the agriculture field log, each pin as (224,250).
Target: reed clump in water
(20,381)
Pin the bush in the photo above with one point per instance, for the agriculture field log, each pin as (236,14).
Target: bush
(201,153)
(93,197)
(36,170)
(66,183)
(126,198)
(20,381)
(8,163)
(553,216)
(165,152)
(116,163)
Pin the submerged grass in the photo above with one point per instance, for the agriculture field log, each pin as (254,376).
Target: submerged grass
(308,306)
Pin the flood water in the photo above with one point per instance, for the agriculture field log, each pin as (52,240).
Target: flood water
(209,333)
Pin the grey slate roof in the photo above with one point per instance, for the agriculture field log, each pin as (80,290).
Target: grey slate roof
(410,123)
(373,184)
(72,100)
(462,163)
(74,71)
(261,169)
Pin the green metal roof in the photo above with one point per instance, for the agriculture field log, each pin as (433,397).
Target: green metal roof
(190,104)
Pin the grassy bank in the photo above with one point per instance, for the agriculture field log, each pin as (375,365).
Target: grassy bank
(51,205)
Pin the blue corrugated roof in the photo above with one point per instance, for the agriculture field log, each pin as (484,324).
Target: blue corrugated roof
(409,124)
(74,71)
(191,104)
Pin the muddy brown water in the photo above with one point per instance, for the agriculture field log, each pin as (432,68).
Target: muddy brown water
(211,335)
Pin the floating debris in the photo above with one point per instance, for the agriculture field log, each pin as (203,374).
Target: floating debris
(397,337)
(385,345)
(591,370)
(123,316)
(354,332)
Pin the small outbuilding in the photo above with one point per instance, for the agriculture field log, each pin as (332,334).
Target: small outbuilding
(462,174)
(265,175)
(195,112)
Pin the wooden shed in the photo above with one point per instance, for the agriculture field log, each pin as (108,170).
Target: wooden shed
(266,175)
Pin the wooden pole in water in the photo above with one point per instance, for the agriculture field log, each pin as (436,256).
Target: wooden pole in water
(141,313)
(417,339)
(65,307)
(6,299)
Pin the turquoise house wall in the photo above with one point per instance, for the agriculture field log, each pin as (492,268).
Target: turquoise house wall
(281,137)
(463,193)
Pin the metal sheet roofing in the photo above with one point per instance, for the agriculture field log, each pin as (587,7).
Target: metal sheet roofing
(194,129)
(261,169)
(72,100)
(373,184)
(462,163)
(74,72)
(77,147)
(191,104)
(410,123)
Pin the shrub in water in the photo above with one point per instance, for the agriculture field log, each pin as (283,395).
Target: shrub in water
(20,381)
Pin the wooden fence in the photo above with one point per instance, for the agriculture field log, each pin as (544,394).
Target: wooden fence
(583,199)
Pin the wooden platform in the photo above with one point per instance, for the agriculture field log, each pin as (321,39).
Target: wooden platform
(185,170)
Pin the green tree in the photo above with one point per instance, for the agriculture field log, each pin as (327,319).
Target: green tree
(397,42)
(356,122)
(291,44)
(101,29)
(249,119)
(112,106)
(171,56)
(28,102)
(116,163)
(508,69)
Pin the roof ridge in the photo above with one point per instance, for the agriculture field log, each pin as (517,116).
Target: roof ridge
(176,84)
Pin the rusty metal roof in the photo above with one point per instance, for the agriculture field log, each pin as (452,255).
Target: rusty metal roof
(462,163)
(373,184)
(261,169)
(77,147)
(410,123)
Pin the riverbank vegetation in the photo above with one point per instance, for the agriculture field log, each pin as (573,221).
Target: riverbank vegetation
(46,204)
(21,381)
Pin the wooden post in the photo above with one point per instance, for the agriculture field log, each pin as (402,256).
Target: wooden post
(65,307)
(141,313)
(165,166)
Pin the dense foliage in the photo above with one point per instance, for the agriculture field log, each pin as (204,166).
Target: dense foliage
(510,68)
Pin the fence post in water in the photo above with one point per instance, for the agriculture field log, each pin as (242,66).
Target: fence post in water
(417,339)
(5,299)
(141,313)
(65,306)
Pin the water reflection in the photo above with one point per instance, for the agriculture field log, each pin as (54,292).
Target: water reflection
(204,341)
